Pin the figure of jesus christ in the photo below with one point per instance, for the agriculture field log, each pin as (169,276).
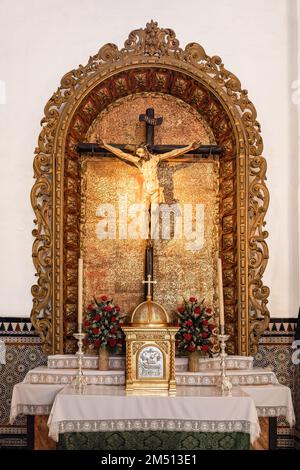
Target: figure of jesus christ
(148,163)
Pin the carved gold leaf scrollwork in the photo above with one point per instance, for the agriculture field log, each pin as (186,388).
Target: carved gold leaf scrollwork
(194,52)
(164,345)
(152,41)
(109,53)
(136,346)
(41,315)
(259,254)
(158,46)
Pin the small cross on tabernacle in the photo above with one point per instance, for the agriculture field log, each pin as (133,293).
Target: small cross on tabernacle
(149,282)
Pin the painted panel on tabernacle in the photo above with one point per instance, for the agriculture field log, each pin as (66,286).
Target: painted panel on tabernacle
(150,363)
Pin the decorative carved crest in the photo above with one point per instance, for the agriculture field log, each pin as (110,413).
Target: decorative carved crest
(152,41)
(204,83)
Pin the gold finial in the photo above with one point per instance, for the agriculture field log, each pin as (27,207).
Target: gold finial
(149,282)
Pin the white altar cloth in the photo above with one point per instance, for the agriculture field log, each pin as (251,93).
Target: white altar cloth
(37,399)
(28,399)
(108,408)
(273,400)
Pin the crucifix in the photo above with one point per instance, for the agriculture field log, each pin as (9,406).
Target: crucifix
(147,158)
(151,121)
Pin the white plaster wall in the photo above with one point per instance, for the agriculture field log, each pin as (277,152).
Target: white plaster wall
(41,40)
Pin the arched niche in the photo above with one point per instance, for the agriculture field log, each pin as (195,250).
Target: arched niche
(151,61)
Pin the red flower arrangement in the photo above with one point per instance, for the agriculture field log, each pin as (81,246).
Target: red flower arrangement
(196,327)
(102,325)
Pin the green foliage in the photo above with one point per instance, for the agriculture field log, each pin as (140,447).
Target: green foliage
(196,327)
(102,325)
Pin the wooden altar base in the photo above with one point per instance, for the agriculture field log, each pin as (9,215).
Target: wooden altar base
(38,433)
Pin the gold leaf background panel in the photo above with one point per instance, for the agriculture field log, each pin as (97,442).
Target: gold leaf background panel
(112,266)
(180,270)
(116,267)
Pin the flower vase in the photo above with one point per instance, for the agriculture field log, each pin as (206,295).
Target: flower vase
(103,358)
(193,361)
(91,352)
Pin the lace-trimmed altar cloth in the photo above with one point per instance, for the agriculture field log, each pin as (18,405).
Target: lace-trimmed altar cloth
(44,375)
(69,361)
(37,399)
(108,408)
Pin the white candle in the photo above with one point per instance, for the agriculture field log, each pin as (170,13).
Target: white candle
(221,298)
(80,283)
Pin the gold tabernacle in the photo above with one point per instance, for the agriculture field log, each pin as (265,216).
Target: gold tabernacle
(150,349)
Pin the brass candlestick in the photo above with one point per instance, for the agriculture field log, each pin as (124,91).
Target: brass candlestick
(79,381)
(225,384)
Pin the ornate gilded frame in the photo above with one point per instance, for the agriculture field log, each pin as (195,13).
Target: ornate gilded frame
(151,60)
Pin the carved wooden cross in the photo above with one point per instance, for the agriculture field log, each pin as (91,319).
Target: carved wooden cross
(152,121)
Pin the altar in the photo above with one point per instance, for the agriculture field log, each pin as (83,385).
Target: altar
(150,200)
(193,410)
(199,416)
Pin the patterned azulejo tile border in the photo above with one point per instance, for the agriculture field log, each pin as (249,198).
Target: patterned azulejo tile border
(23,352)
(10,326)
(275,351)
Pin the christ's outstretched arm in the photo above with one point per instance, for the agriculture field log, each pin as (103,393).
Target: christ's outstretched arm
(119,153)
(178,152)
